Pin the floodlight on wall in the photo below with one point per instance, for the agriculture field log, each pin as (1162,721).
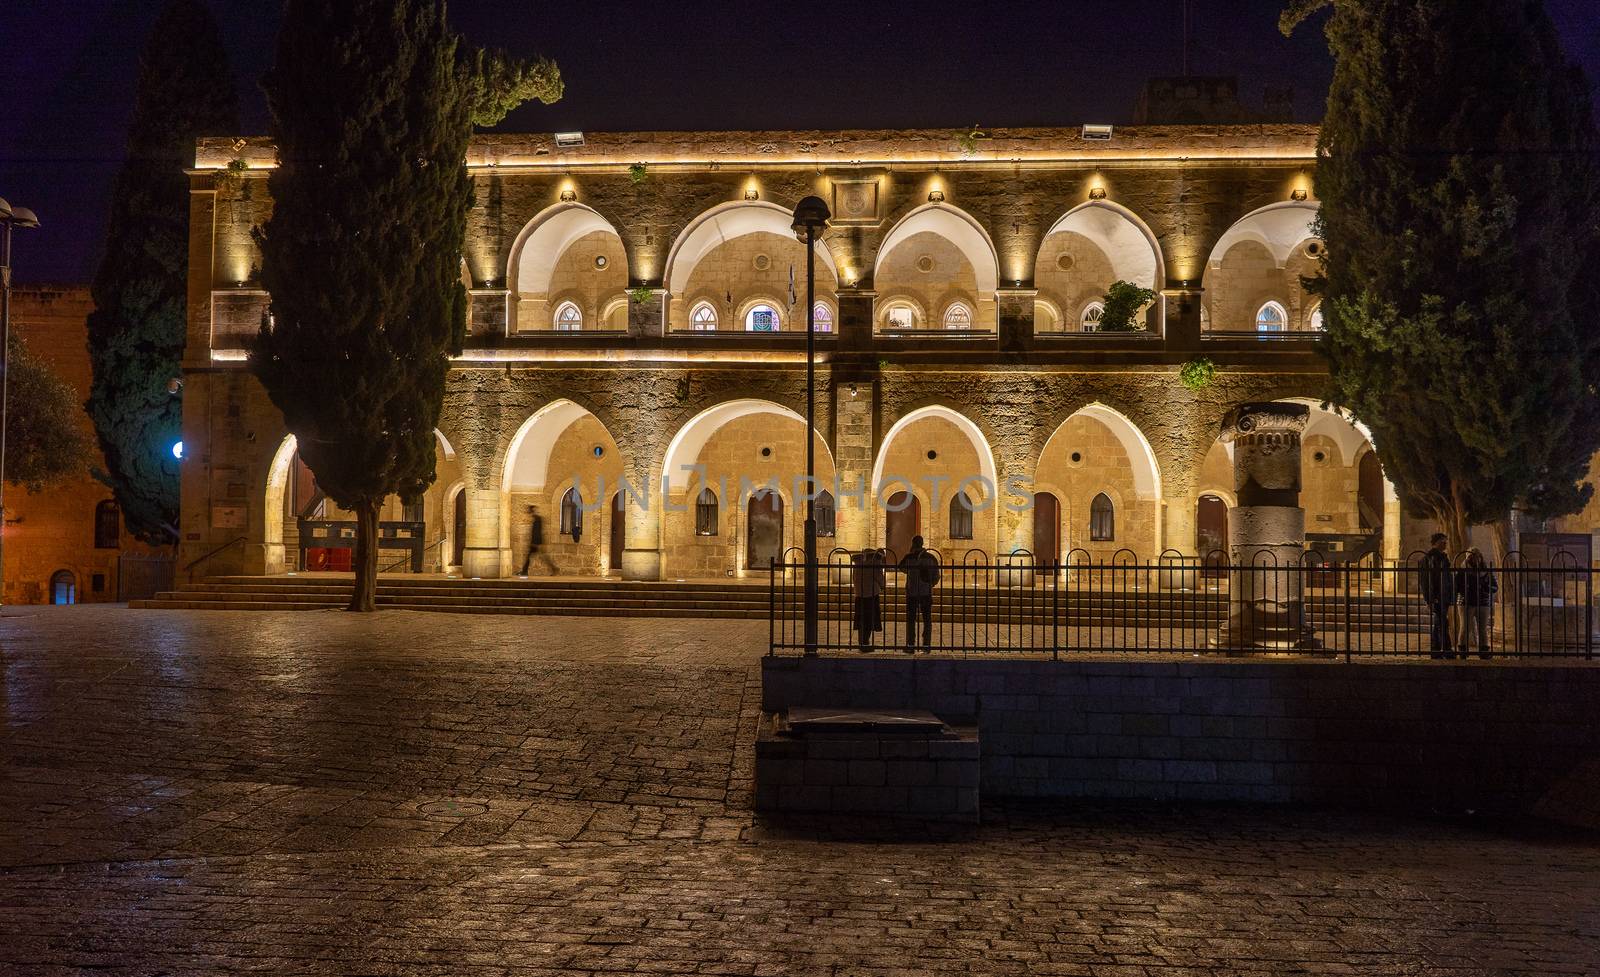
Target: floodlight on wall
(569,139)
(569,195)
(1298,194)
(1097,193)
(1098,132)
(935,196)
(751,193)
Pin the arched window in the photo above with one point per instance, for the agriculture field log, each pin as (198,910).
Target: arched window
(1092,314)
(1271,318)
(900,316)
(960,516)
(825,513)
(761,318)
(1316,319)
(703,318)
(958,316)
(822,317)
(107,526)
(572,514)
(63,587)
(1102,519)
(569,318)
(705,513)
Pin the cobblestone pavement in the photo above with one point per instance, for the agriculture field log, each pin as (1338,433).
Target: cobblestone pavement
(284,793)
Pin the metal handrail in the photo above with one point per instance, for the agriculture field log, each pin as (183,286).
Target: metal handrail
(232,542)
(407,558)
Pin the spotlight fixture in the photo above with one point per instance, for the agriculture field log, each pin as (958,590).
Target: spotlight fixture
(1298,194)
(569,195)
(935,196)
(751,193)
(568,139)
(1097,193)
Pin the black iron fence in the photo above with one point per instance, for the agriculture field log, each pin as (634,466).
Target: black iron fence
(1186,605)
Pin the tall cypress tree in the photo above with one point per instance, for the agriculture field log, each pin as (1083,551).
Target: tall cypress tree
(1458,183)
(136,333)
(373,103)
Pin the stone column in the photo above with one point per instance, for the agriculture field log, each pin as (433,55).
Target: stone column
(647,318)
(485,554)
(1014,308)
(488,315)
(641,554)
(1266,530)
(855,319)
(852,455)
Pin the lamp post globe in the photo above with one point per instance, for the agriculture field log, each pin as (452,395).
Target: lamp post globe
(811,217)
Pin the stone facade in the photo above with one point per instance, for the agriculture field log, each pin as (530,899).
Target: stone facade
(53,553)
(995,249)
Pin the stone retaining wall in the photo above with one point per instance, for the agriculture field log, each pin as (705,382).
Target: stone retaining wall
(1485,736)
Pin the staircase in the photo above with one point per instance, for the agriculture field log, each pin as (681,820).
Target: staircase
(749,600)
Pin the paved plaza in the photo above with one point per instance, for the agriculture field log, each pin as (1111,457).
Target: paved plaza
(313,792)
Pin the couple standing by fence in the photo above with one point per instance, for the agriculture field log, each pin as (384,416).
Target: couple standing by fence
(1460,600)
(870,581)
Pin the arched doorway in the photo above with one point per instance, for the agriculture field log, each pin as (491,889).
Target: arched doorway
(764,530)
(458,528)
(619,532)
(902,520)
(63,587)
(1369,494)
(1046,529)
(1211,534)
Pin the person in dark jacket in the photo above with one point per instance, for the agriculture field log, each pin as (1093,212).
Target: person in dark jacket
(535,539)
(1476,585)
(868,585)
(1438,582)
(922,575)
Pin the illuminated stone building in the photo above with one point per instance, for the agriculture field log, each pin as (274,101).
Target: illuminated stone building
(633,318)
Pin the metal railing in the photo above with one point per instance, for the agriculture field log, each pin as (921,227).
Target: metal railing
(1191,606)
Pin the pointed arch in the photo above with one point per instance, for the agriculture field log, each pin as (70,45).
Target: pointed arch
(527,458)
(1142,458)
(1126,240)
(1279,227)
(544,239)
(980,444)
(723,223)
(960,229)
(685,447)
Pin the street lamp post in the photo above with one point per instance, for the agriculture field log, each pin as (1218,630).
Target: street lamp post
(10,217)
(810,219)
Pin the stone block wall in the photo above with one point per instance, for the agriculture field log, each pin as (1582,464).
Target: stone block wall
(1484,736)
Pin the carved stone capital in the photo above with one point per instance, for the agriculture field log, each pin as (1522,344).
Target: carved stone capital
(1265,418)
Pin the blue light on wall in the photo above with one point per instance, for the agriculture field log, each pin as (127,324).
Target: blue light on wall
(177,450)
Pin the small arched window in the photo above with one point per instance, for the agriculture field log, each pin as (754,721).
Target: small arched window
(822,317)
(107,525)
(960,516)
(761,318)
(705,513)
(1316,319)
(958,316)
(1271,318)
(572,514)
(1092,314)
(1102,519)
(63,587)
(703,318)
(900,316)
(824,510)
(569,318)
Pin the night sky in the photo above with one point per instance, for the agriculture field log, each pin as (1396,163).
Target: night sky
(67,77)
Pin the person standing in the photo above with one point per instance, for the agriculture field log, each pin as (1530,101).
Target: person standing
(922,575)
(868,582)
(1477,586)
(535,538)
(1439,591)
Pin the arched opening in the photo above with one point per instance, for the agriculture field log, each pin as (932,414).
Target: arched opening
(63,587)
(1252,277)
(567,267)
(1102,519)
(936,258)
(902,522)
(937,453)
(1211,535)
(458,528)
(827,518)
(1098,452)
(572,514)
(764,529)
(736,252)
(107,525)
(618,532)
(705,513)
(1084,252)
(734,450)
(1369,493)
(1046,529)
(960,516)
(561,450)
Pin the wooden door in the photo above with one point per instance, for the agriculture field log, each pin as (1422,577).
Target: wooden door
(764,530)
(902,521)
(1046,529)
(1211,534)
(619,531)
(1369,494)
(458,533)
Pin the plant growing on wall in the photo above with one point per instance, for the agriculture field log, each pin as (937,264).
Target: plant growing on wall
(1124,300)
(637,173)
(1461,211)
(373,102)
(1197,374)
(640,295)
(137,330)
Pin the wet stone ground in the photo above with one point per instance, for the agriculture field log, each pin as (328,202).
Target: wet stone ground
(315,793)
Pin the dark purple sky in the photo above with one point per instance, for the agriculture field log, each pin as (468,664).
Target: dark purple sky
(66,80)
